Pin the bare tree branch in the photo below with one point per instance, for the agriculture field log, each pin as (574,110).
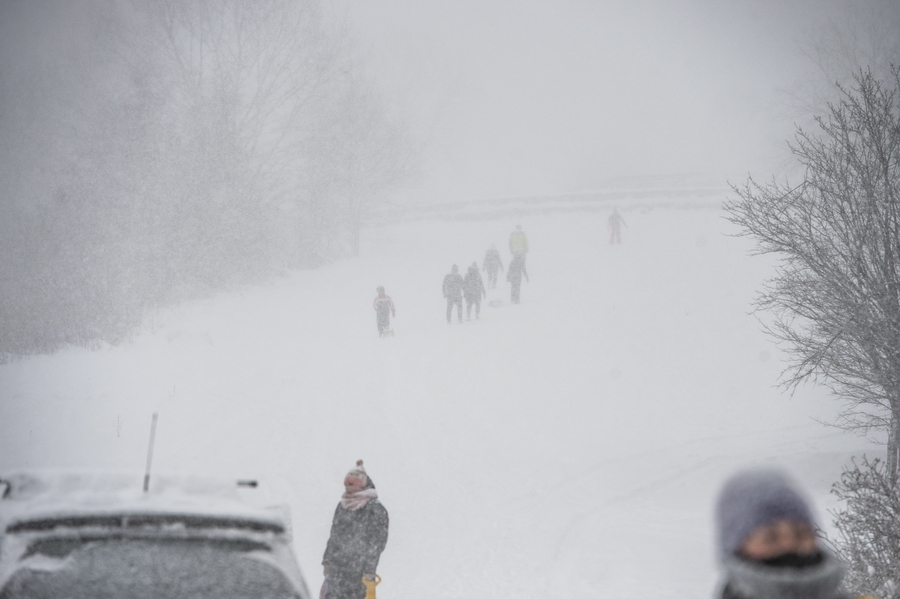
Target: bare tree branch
(836,295)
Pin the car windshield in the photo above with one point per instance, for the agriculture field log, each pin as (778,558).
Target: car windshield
(162,568)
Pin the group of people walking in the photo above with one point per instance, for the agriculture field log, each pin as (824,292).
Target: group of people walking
(456,287)
(471,287)
(765,536)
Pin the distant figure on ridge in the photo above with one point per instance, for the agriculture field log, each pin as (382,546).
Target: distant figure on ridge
(492,265)
(384,309)
(453,288)
(474,290)
(518,243)
(614,224)
(514,276)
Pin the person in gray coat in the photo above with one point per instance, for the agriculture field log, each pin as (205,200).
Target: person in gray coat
(359,532)
(514,276)
(473,286)
(492,265)
(453,292)
(767,543)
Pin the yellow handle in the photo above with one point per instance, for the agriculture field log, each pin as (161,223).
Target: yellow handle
(370,585)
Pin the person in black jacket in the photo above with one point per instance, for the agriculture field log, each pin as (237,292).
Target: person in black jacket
(473,286)
(453,288)
(359,532)
(492,264)
(514,276)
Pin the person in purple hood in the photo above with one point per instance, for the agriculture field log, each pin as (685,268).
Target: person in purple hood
(767,542)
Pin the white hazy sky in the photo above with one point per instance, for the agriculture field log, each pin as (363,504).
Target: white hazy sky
(523,97)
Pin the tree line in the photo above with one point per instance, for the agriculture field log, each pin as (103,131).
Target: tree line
(158,150)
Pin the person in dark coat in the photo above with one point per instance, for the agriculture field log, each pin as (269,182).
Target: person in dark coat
(453,288)
(514,276)
(474,291)
(359,532)
(384,309)
(767,542)
(492,265)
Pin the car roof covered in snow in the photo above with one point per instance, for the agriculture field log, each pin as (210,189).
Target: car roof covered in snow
(37,499)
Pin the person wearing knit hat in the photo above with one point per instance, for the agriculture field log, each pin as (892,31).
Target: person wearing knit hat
(359,531)
(767,543)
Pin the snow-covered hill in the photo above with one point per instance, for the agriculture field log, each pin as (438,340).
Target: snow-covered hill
(569,445)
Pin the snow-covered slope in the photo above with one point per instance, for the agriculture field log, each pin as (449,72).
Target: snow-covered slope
(571,444)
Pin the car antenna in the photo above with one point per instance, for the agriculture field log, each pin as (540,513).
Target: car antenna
(150,453)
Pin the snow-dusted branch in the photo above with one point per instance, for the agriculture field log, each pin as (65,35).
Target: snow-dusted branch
(836,296)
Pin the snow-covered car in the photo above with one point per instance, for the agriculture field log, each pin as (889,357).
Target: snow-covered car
(98,536)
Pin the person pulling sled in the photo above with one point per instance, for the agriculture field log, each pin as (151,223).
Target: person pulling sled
(384,309)
(514,276)
(492,265)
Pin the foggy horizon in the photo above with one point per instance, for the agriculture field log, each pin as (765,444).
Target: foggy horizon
(511,99)
(536,98)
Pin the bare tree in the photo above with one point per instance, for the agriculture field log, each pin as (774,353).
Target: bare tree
(850,36)
(863,33)
(868,527)
(155,150)
(355,155)
(835,299)
(272,91)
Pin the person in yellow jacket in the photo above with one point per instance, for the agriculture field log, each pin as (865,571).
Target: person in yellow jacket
(518,242)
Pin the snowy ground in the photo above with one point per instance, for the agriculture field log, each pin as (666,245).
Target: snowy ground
(567,446)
